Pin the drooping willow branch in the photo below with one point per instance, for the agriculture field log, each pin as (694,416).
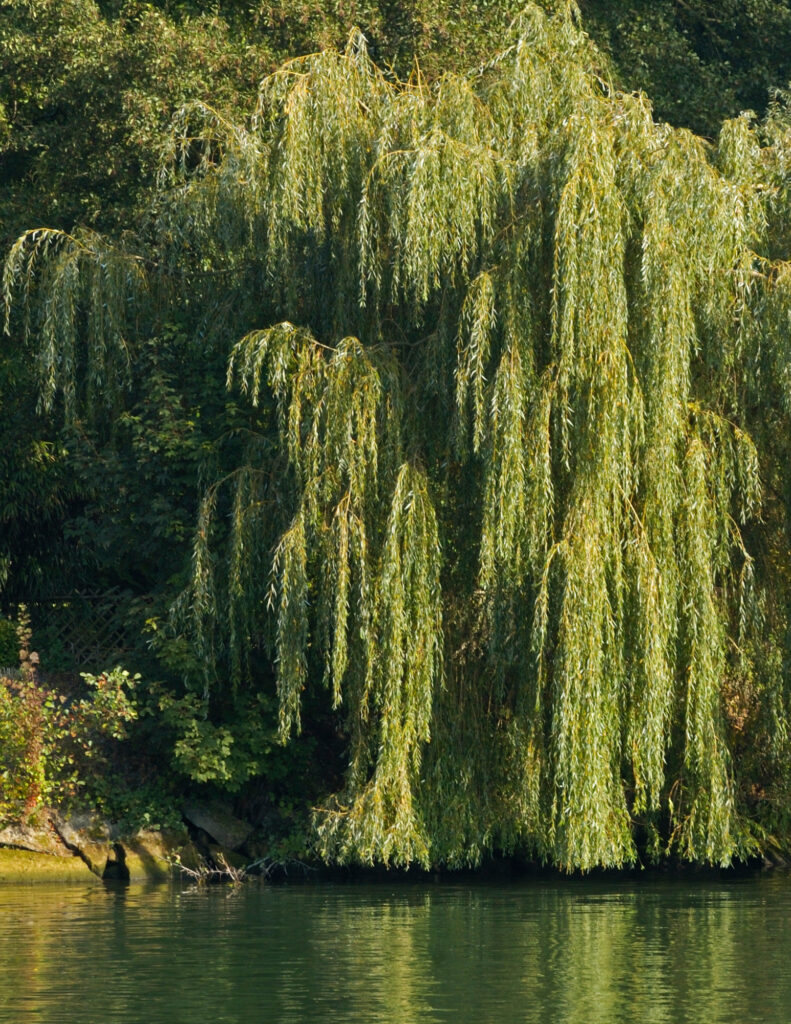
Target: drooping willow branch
(518,334)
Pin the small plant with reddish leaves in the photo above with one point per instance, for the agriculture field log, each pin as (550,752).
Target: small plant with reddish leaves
(51,747)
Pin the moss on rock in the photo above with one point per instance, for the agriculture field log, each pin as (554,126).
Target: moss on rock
(27,867)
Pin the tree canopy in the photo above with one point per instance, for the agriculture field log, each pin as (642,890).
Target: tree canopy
(499,476)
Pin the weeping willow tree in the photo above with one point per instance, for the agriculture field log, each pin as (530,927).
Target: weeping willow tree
(508,341)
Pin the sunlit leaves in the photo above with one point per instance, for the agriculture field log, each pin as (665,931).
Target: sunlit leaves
(508,366)
(83,286)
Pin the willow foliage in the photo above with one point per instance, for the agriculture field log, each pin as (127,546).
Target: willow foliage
(85,287)
(516,473)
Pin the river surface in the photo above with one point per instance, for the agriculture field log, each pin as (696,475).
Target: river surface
(587,951)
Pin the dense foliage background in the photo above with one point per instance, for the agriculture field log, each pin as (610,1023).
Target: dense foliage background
(186,231)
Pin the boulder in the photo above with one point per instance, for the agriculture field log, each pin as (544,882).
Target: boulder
(26,866)
(774,859)
(189,857)
(147,856)
(87,836)
(37,838)
(60,847)
(216,820)
(234,860)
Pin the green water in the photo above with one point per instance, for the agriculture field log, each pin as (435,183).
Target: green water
(538,951)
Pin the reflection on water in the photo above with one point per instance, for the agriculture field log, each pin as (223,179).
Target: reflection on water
(578,952)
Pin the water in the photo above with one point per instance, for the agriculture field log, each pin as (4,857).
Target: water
(586,951)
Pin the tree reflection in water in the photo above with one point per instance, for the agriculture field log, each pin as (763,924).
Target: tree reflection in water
(658,952)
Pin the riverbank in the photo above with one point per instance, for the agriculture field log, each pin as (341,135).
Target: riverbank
(56,847)
(213,844)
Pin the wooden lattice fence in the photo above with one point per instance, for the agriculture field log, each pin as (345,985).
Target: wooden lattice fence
(83,630)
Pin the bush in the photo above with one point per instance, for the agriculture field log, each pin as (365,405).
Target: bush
(50,745)
(22,775)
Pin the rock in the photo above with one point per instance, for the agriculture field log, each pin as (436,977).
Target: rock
(87,836)
(40,838)
(147,856)
(61,848)
(256,850)
(25,866)
(190,857)
(232,859)
(218,822)
(774,859)
(115,869)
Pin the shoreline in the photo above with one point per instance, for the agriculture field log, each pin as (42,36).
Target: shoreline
(26,867)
